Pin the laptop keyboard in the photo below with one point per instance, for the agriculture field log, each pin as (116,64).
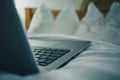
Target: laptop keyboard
(45,56)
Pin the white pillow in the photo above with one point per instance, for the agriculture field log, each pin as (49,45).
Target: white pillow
(108,29)
(93,15)
(67,21)
(42,21)
(113,16)
(112,22)
(105,29)
(68,14)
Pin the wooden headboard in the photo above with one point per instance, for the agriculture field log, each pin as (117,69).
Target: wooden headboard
(102,5)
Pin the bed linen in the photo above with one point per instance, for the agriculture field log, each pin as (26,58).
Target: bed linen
(42,22)
(100,61)
(43,17)
(92,15)
(101,28)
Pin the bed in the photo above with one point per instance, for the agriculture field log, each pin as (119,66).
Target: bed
(99,25)
(87,22)
(101,60)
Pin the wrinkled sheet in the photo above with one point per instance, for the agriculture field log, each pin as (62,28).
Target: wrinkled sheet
(101,61)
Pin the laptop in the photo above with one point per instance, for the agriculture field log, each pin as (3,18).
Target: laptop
(52,53)
(16,55)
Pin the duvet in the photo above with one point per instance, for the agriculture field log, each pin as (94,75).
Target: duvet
(100,61)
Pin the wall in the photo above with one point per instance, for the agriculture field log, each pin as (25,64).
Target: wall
(51,4)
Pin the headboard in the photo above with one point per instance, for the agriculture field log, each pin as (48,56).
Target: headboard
(102,5)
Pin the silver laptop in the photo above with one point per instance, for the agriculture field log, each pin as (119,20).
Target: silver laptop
(52,53)
(16,56)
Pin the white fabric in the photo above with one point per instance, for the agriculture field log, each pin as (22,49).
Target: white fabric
(108,28)
(100,61)
(42,21)
(67,21)
(113,17)
(112,21)
(104,29)
(68,14)
(92,15)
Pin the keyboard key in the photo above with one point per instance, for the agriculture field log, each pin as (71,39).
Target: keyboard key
(49,61)
(43,56)
(56,52)
(39,53)
(51,57)
(42,63)
(36,53)
(37,56)
(42,51)
(56,55)
(47,54)
(41,60)
(49,51)
(36,50)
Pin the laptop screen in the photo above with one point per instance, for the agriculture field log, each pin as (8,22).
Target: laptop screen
(15,53)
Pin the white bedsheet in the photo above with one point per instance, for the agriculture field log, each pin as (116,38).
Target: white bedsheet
(100,61)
